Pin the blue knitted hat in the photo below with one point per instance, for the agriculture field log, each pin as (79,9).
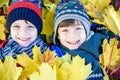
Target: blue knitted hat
(24,10)
(72,9)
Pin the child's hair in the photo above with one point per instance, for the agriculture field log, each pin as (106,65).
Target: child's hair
(72,9)
(27,11)
(66,22)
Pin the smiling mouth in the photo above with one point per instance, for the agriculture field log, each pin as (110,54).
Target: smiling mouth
(73,42)
(23,39)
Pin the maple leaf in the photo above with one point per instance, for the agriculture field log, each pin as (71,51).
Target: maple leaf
(110,58)
(95,7)
(76,70)
(112,19)
(46,73)
(49,57)
(9,70)
(48,18)
(2,28)
(83,1)
(37,54)
(29,65)
(4,2)
(50,2)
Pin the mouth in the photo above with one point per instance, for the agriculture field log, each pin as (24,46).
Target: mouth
(23,39)
(73,42)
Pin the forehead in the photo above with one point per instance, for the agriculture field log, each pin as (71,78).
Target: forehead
(70,22)
(20,22)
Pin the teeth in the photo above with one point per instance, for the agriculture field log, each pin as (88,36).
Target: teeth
(70,42)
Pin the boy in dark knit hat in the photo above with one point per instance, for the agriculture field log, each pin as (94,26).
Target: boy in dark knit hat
(72,35)
(24,22)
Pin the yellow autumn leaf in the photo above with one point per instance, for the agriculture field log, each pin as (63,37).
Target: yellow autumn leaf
(49,57)
(46,73)
(2,28)
(37,54)
(49,2)
(106,77)
(4,2)
(9,70)
(95,9)
(112,19)
(48,19)
(83,1)
(29,65)
(76,70)
(111,54)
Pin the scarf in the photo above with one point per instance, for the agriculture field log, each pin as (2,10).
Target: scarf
(13,48)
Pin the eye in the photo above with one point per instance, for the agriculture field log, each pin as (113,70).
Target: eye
(15,27)
(78,28)
(31,27)
(64,30)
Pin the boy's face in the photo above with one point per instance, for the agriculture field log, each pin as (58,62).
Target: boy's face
(23,32)
(72,36)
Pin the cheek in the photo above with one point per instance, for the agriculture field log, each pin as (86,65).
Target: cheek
(34,34)
(14,32)
(62,37)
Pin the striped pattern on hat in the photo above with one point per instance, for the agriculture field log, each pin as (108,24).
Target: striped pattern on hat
(71,10)
(24,10)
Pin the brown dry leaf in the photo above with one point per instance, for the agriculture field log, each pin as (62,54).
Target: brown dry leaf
(49,57)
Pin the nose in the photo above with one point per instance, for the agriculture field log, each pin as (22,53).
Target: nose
(23,32)
(72,34)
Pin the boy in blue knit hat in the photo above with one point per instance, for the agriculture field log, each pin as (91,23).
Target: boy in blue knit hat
(24,22)
(72,35)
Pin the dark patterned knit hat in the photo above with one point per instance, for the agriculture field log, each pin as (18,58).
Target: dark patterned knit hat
(72,9)
(24,11)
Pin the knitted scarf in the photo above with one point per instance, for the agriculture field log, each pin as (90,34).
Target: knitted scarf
(13,48)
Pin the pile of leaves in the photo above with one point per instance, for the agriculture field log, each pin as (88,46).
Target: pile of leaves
(44,67)
(105,12)
(110,59)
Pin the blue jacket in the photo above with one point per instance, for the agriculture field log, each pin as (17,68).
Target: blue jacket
(90,50)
